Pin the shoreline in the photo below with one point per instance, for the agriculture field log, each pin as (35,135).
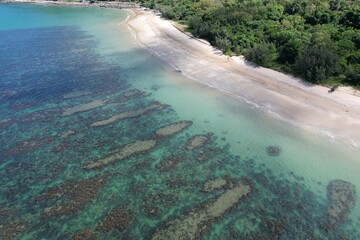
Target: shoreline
(287,98)
(310,107)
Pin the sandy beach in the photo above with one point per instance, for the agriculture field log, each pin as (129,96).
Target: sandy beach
(310,107)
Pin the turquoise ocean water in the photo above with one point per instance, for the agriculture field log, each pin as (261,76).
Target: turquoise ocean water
(101,140)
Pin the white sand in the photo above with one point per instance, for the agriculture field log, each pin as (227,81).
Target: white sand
(308,106)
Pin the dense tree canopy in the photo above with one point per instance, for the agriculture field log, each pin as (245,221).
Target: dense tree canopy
(319,40)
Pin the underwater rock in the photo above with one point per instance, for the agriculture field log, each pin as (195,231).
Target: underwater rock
(74,196)
(116,219)
(84,107)
(215,184)
(42,115)
(156,203)
(5,122)
(273,151)
(10,230)
(122,153)
(6,213)
(128,114)
(76,94)
(196,141)
(87,234)
(22,106)
(169,163)
(342,196)
(67,133)
(173,128)
(61,147)
(134,93)
(155,87)
(28,145)
(275,228)
(193,224)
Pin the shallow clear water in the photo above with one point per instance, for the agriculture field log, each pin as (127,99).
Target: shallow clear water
(65,70)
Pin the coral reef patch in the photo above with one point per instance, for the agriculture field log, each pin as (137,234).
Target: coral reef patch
(116,219)
(215,184)
(273,151)
(196,141)
(128,114)
(28,145)
(87,234)
(341,195)
(173,128)
(193,224)
(122,153)
(75,196)
(169,163)
(84,107)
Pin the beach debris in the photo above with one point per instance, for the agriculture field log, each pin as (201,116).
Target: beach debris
(193,224)
(273,151)
(169,163)
(116,219)
(333,88)
(74,196)
(84,107)
(173,128)
(211,185)
(122,153)
(196,141)
(86,234)
(128,114)
(28,145)
(342,196)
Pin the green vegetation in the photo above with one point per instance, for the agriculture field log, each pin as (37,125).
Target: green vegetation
(317,40)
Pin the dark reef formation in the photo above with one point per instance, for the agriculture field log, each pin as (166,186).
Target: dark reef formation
(171,129)
(122,153)
(195,223)
(10,230)
(87,234)
(197,141)
(342,196)
(116,219)
(74,196)
(28,145)
(169,163)
(273,151)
